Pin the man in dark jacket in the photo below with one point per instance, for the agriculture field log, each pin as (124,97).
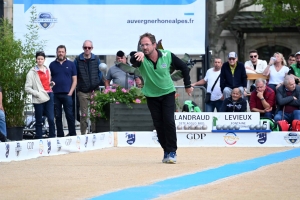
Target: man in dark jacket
(233,75)
(288,100)
(89,78)
(235,103)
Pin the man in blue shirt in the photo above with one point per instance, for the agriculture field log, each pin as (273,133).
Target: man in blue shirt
(64,75)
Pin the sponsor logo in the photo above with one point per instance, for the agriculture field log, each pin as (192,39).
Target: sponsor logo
(155,138)
(86,141)
(18,149)
(41,147)
(30,145)
(7,149)
(94,140)
(49,146)
(130,138)
(262,137)
(45,20)
(58,145)
(292,138)
(68,141)
(78,142)
(102,136)
(231,138)
(195,136)
(164,65)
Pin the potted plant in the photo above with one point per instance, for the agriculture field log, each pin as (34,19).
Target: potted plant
(119,109)
(16,59)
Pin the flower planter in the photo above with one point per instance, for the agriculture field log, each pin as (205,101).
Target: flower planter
(123,118)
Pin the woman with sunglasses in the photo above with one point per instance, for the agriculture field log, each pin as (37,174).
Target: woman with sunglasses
(39,84)
(277,70)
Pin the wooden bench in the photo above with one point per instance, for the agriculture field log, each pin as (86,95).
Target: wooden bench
(257,76)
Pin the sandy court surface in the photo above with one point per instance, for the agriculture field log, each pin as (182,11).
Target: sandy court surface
(89,174)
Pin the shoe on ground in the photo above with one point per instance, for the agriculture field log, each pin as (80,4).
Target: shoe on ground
(166,157)
(172,158)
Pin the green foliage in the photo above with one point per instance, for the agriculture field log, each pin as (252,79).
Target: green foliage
(16,59)
(99,100)
(280,12)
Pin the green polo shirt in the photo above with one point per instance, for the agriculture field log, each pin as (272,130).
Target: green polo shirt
(157,78)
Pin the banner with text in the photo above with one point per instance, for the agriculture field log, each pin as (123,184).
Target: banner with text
(114,24)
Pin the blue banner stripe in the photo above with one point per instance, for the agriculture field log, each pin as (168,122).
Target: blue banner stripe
(29,3)
(200,178)
(188,13)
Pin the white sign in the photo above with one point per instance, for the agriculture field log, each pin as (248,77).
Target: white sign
(193,122)
(114,24)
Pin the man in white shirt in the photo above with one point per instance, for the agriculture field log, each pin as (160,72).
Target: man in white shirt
(210,78)
(254,66)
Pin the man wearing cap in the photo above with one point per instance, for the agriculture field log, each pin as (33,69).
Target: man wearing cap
(89,78)
(295,68)
(233,75)
(118,76)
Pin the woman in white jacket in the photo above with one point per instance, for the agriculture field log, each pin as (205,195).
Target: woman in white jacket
(38,84)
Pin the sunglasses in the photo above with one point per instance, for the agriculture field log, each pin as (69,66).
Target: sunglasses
(89,48)
(231,58)
(253,56)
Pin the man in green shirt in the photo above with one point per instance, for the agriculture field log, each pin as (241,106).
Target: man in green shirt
(295,68)
(154,65)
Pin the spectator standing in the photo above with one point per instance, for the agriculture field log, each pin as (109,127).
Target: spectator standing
(254,66)
(235,103)
(233,75)
(212,77)
(38,84)
(89,79)
(118,76)
(288,100)
(262,99)
(159,89)
(277,70)
(295,68)
(291,60)
(2,117)
(64,75)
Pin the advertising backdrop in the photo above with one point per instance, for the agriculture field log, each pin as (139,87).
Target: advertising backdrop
(114,24)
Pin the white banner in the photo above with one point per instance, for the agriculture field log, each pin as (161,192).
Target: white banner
(226,139)
(26,149)
(115,24)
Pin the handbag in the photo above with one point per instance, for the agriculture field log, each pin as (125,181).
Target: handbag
(283,124)
(208,94)
(296,125)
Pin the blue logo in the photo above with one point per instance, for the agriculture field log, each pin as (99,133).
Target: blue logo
(58,145)
(262,137)
(45,20)
(292,138)
(94,140)
(18,149)
(130,138)
(86,141)
(6,149)
(49,146)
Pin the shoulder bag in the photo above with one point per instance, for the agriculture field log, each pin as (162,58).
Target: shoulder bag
(208,94)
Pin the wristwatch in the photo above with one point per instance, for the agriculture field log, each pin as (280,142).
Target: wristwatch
(262,99)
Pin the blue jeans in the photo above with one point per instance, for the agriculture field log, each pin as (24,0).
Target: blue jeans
(287,116)
(44,109)
(210,107)
(268,114)
(67,102)
(2,123)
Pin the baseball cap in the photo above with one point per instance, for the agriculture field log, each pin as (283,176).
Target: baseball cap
(232,55)
(298,53)
(120,53)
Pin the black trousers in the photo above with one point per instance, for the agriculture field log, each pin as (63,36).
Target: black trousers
(162,112)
